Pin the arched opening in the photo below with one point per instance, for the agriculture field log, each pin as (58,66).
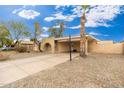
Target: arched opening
(47,48)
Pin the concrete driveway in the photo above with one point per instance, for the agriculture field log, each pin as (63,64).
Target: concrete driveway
(13,70)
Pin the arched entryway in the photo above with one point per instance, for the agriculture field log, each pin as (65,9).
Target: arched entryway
(47,48)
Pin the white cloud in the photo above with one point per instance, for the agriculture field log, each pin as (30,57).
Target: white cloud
(61,6)
(77,10)
(58,6)
(97,34)
(58,26)
(70,18)
(25,12)
(75,27)
(16,10)
(99,15)
(44,35)
(60,16)
(94,33)
(28,14)
(45,28)
(19,9)
(49,19)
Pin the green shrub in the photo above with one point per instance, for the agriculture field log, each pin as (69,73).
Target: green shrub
(0,46)
(21,49)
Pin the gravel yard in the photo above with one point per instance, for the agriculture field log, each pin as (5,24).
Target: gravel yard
(96,70)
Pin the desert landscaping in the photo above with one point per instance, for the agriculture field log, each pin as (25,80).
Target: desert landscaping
(67,47)
(95,70)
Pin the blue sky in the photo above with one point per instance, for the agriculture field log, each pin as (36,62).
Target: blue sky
(103,22)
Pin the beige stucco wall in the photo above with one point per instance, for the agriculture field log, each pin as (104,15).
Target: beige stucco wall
(105,47)
(76,45)
(50,41)
(62,47)
(35,47)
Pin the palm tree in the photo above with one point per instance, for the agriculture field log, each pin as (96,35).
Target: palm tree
(82,32)
(53,32)
(61,29)
(57,32)
(36,35)
(37,31)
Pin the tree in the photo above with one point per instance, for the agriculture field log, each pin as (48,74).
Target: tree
(8,42)
(52,31)
(82,32)
(56,31)
(37,34)
(18,30)
(61,29)
(4,35)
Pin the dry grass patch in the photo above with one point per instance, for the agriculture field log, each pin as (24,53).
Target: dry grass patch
(4,57)
(92,71)
(13,55)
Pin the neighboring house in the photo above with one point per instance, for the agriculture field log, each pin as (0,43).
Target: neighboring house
(93,45)
(30,46)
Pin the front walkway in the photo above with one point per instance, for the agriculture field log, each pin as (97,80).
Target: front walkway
(13,70)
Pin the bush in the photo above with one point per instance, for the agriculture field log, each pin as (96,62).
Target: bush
(1,46)
(21,49)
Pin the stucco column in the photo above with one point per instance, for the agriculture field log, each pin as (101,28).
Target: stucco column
(53,49)
(86,46)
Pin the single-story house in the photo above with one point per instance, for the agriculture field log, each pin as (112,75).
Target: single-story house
(93,45)
(30,46)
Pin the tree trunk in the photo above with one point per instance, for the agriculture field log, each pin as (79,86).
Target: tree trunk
(16,43)
(39,46)
(2,43)
(82,37)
